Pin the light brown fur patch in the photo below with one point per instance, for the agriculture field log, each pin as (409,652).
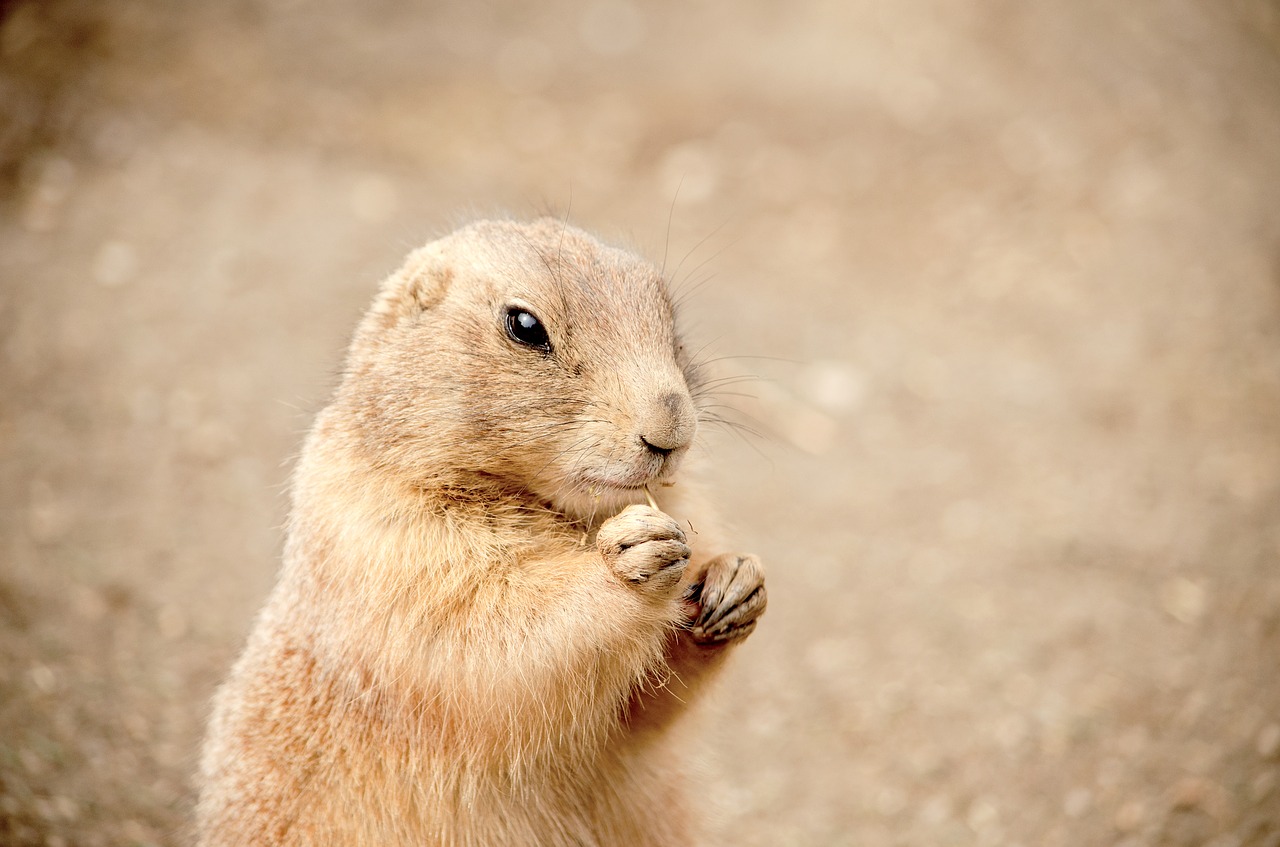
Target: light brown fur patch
(448,658)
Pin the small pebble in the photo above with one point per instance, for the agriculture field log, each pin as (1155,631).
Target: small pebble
(1197,793)
(44,678)
(66,808)
(171,623)
(1077,802)
(1269,741)
(1130,816)
(31,761)
(1262,786)
(612,27)
(374,199)
(890,801)
(834,387)
(937,810)
(115,264)
(983,815)
(1184,600)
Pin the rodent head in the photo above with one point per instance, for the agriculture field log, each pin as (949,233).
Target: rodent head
(527,356)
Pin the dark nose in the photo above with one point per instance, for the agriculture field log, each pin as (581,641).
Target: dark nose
(654,448)
(670,424)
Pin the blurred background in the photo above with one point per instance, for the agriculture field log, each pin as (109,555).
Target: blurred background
(1012,270)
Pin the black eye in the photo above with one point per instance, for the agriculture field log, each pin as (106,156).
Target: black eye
(525,329)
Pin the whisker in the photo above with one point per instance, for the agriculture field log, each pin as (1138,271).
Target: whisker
(671,213)
(676,273)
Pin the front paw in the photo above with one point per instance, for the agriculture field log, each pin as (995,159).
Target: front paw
(731,598)
(646,547)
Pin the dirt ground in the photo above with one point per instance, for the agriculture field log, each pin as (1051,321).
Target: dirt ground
(1012,271)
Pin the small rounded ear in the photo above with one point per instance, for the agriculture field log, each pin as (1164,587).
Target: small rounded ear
(425,277)
(419,285)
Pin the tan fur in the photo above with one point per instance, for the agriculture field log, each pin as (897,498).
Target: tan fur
(470,644)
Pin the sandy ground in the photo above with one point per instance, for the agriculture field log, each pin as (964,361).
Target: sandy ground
(1012,270)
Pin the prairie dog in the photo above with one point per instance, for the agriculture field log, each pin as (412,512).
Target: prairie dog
(481,635)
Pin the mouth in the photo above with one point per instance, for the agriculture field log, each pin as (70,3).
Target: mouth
(595,485)
(633,487)
(593,490)
(592,495)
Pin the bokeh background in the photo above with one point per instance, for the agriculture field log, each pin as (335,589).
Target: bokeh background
(1011,271)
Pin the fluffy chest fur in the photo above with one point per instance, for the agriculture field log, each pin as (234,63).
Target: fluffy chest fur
(479,636)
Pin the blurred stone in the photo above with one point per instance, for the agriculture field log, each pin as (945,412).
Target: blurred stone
(612,27)
(1011,731)
(79,333)
(1241,473)
(115,139)
(137,726)
(524,65)
(891,697)
(963,519)
(936,810)
(1078,801)
(31,761)
(51,185)
(778,174)
(48,520)
(1130,816)
(1200,794)
(982,815)
(1269,741)
(835,387)
(1030,146)
(184,409)
(115,263)
(927,376)
(140,832)
(928,567)
(171,623)
(534,125)
(145,406)
(1109,773)
(374,199)
(211,441)
(1183,599)
(813,233)
(1133,741)
(22,28)
(1086,239)
(1262,786)
(1194,707)
(766,721)
(827,657)
(43,678)
(44,809)
(612,131)
(1020,690)
(66,808)
(890,801)
(912,99)
(1136,184)
(688,172)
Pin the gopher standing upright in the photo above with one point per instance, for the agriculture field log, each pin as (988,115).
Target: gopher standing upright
(480,635)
